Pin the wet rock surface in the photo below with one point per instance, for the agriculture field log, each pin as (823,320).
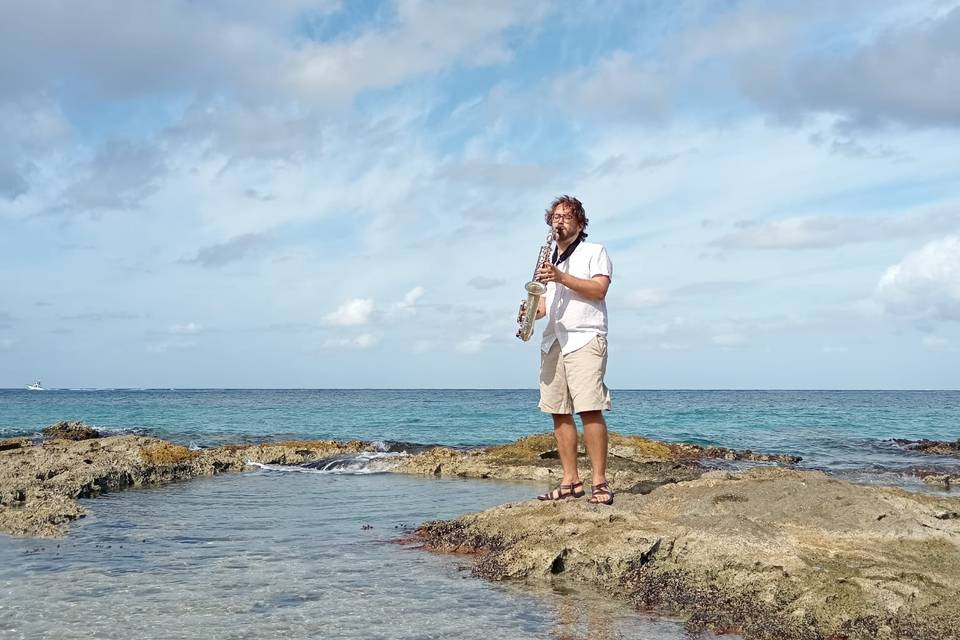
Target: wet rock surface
(70,430)
(768,553)
(635,464)
(936,447)
(942,480)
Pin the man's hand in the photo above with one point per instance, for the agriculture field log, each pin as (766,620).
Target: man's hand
(594,288)
(549,273)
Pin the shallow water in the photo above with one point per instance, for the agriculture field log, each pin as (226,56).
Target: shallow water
(273,554)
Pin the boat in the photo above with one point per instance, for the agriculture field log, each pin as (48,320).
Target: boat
(36,386)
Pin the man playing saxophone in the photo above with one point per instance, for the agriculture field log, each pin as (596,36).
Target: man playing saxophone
(573,358)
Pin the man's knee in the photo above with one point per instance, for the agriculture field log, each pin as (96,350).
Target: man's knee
(593,416)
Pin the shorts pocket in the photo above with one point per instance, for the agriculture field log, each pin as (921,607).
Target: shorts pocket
(601,345)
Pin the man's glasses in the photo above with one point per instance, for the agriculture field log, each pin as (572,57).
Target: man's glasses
(563,217)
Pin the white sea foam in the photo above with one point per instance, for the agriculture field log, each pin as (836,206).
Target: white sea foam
(359,464)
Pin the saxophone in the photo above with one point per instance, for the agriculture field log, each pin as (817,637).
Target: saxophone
(535,289)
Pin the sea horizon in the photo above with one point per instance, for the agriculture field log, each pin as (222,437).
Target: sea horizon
(614,389)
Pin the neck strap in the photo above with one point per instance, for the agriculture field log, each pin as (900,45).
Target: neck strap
(567,252)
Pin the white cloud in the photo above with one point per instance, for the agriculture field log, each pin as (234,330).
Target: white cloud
(937,343)
(353,312)
(906,73)
(186,328)
(617,85)
(361,341)
(233,250)
(645,298)
(6,344)
(729,340)
(485,282)
(366,340)
(173,345)
(826,231)
(834,349)
(407,306)
(422,346)
(673,346)
(119,176)
(474,344)
(428,37)
(926,284)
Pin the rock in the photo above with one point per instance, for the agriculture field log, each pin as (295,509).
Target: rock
(930,446)
(768,553)
(943,480)
(14,443)
(66,430)
(635,463)
(39,482)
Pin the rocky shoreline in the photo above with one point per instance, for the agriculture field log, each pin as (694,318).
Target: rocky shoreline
(41,481)
(768,552)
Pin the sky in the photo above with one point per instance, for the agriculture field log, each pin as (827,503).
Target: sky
(322,193)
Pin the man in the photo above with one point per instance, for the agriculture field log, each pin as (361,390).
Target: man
(573,358)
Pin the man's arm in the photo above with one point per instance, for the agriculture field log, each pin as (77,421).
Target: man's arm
(594,288)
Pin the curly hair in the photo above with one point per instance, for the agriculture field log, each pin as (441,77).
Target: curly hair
(574,206)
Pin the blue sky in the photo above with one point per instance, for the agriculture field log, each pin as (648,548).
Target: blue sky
(350,194)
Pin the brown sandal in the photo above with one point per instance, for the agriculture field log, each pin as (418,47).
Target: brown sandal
(564,491)
(598,491)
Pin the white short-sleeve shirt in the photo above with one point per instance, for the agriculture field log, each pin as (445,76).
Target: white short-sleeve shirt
(572,319)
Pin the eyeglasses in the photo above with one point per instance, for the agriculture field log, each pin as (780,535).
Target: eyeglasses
(564,217)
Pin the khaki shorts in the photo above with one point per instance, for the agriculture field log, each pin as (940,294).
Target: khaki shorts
(573,383)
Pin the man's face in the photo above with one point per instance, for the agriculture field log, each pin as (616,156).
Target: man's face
(565,222)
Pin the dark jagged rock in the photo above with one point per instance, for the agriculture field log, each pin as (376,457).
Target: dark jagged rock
(14,443)
(930,446)
(67,430)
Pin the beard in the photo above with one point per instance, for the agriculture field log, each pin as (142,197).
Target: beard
(566,232)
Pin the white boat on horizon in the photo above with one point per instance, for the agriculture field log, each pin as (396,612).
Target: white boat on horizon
(36,386)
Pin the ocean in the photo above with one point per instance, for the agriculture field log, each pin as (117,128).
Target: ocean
(311,553)
(840,431)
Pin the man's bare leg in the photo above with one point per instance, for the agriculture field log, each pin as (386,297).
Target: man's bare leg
(565,430)
(595,438)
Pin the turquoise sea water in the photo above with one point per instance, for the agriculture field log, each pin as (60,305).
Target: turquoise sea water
(304,553)
(846,431)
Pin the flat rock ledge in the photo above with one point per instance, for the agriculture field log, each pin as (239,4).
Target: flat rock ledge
(770,553)
(40,482)
(635,464)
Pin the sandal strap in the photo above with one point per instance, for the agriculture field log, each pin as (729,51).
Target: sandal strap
(561,491)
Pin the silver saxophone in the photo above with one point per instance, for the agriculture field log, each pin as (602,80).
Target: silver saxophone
(535,290)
